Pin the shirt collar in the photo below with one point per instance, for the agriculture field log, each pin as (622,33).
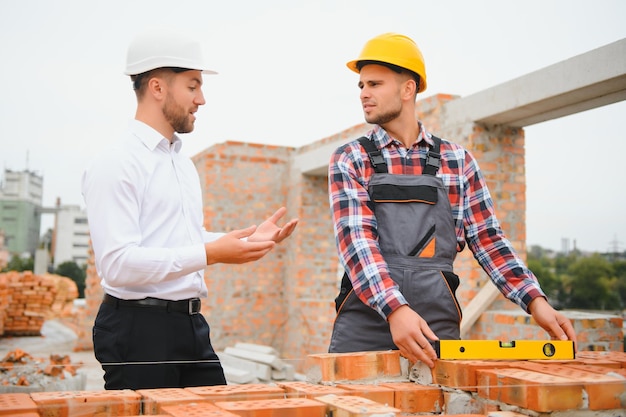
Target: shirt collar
(150,137)
(382,139)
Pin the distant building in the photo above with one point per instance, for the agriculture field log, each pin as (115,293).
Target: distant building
(4,253)
(71,236)
(21,195)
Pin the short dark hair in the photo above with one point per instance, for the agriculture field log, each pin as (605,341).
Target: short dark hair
(396,68)
(138,78)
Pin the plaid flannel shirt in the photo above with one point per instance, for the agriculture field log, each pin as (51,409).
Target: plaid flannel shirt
(476,225)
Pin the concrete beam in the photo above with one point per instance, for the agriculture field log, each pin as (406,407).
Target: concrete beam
(314,162)
(584,82)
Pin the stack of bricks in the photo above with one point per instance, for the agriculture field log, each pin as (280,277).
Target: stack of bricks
(82,322)
(28,300)
(372,384)
(93,289)
(4,301)
(65,293)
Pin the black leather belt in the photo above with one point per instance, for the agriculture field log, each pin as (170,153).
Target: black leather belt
(190,306)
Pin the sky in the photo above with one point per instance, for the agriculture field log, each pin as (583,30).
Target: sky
(283,81)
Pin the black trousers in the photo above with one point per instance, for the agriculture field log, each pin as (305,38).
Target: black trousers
(143,347)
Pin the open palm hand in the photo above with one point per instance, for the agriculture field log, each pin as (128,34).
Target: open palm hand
(269,229)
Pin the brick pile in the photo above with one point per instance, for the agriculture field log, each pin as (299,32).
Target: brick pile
(369,384)
(82,322)
(4,302)
(27,300)
(66,291)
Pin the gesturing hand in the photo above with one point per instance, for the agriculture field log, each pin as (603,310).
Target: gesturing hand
(269,229)
(232,248)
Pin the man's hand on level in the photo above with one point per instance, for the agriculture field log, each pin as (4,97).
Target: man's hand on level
(555,323)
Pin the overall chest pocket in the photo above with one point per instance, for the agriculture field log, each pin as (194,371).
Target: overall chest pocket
(406,217)
(391,193)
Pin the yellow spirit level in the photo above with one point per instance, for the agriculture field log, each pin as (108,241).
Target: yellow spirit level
(494,349)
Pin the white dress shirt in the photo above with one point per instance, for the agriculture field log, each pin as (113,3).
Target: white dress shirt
(144,206)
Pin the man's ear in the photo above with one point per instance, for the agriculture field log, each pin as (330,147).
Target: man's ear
(409,89)
(157,87)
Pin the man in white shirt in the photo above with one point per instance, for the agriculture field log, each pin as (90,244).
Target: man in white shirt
(144,206)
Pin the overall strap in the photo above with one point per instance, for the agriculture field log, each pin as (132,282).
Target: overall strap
(433,159)
(376,157)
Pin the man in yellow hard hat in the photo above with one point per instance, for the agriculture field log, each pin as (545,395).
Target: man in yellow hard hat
(144,206)
(404,203)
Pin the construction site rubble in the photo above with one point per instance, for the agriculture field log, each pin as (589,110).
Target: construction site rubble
(22,372)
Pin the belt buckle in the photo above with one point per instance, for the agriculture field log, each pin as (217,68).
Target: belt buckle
(194,306)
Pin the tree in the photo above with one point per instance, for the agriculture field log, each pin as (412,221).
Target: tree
(619,267)
(71,270)
(562,262)
(539,253)
(19,264)
(550,283)
(593,284)
(580,281)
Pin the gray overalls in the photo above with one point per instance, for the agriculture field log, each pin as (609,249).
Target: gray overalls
(418,241)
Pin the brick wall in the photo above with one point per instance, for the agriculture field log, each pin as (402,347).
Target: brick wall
(243,184)
(370,384)
(311,281)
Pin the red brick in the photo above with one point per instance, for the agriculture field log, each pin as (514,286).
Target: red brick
(297,389)
(200,409)
(354,406)
(461,374)
(606,363)
(532,390)
(16,403)
(581,360)
(286,407)
(603,391)
(603,370)
(154,399)
(357,365)
(238,392)
(612,356)
(378,393)
(87,403)
(413,398)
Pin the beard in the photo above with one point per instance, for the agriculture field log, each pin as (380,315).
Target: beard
(385,117)
(177,116)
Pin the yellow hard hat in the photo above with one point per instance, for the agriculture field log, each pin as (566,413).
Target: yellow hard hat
(395,49)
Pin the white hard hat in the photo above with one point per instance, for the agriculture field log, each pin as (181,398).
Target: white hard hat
(162,48)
